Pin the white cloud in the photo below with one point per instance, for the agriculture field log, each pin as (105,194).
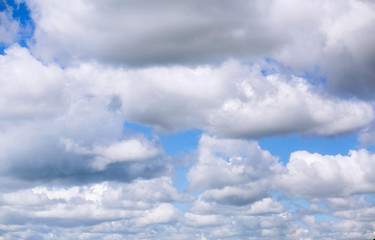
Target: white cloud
(29,89)
(313,175)
(53,127)
(266,206)
(122,151)
(203,220)
(306,35)
(69,171)
(164,213)
(223,163)
(139,202)
(149,33)
(233,100)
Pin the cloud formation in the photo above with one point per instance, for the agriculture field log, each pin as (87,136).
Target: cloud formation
(76,162)
(51,132)
(313,175)
(303,35)
(231,100)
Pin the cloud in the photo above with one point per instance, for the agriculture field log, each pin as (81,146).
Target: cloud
(224,163)
(123,151)
(230,100)
(311,175)
(306,36)
(29,89)
(48,118)
(300,200)
(54,130)
(91,205)
(150,33)
(237,72)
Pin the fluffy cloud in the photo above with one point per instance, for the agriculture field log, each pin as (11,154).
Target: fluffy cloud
(225,163)
(304,35)
(29,89)
(235,71)
(231,100)
(49,114)
(138,202)
(51,131)
(310,194)
(149,32)
(313,175)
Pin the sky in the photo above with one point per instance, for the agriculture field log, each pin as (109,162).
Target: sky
(242,119)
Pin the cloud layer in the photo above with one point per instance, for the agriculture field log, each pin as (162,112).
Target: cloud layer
(303,35)
(72,167)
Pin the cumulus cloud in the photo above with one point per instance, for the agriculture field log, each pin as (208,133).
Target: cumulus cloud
(309,195)
(91,205)
(224,163)
(122,151)
(231,100)
(304,35)
(49,116)
(149,32)
(235,71)
(29,89)
(311,175)
(53,129)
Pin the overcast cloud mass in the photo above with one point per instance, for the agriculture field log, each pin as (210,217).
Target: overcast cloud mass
(149,119)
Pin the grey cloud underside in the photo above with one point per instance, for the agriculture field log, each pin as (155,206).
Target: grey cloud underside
(147,32)
(69,173)
(335,37)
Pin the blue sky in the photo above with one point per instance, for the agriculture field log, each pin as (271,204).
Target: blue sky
(187,120)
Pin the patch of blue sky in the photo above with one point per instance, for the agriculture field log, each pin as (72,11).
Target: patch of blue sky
(282,147)
(277,195)
(2,48)
(180,181)
(294,204)
(181,206)
(174,144)
(181,142)
(147,131)
(3,5)
(302,224)
(315,76)
(20,13)
(177,145)
(322,217)
(272,66)
(370,197)
(322,205)
(371,148)
(301,202)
